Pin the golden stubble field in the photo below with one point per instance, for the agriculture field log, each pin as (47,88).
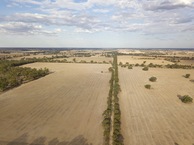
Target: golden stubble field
(141,59)
(62,108)
(156,116)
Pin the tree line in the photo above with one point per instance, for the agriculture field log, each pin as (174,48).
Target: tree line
(11,75)
(112,114)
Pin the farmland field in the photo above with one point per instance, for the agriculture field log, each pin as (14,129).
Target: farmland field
(88,59)
(62,108)
(156,116)
(140,60)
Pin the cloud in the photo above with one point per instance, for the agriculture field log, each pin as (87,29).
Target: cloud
(24,29)
(167,5)
(90,16)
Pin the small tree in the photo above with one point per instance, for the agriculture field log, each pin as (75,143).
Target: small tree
(137,64)
(148,86)
(110,69)
(120,63)
(187,75)
(153,79)
(130,67)
(74,60)
(145,68)
(186,99)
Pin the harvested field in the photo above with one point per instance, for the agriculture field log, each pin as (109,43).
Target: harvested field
(33,56)
(156,116)
(88,59)
(186,62)
(62,108)
(140,60)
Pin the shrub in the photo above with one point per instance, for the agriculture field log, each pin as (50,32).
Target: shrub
(187,75)
(120,63)
(148,86)
(186,99)
(110,69)
(153,79)
(130,67)
(145,68)
(137,64)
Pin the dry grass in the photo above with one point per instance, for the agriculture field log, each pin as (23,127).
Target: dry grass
(65,106)
(88,59)
(156,116)
(140,60)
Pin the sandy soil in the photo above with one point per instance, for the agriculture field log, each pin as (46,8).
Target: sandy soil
(156,116)
(140,60)
(62,108)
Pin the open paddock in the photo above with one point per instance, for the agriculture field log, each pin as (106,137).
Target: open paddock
(156,116)
(141,59)
(95,58)
(62,108)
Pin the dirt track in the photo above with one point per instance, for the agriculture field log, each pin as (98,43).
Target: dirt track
(62,108)
(156,116)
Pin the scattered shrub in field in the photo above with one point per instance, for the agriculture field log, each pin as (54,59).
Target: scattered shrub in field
(186,99)
(148,86)
(137,64)
(153,79)
(110,69)
(92,61)
(145,68)
(142,65)
(74,60)
(130,67)
(187,75)
(120,63)
(124,65)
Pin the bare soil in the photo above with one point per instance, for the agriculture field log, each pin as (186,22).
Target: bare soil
(62,108)
(156,116)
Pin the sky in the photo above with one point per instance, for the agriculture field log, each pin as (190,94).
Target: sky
(97,23)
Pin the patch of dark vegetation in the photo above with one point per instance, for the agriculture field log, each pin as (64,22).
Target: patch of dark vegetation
(185,98)
(152,79)
(11,75)
(145,69)
(187,75)
(147,86)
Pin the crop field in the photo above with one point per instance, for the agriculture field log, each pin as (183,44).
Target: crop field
(156,116)
(140,60)
(62,108)
(33,56)
(88,59)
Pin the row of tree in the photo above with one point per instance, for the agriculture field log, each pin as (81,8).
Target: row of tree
(117,135)
(108,112)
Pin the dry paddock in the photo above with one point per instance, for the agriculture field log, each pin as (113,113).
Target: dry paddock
(156,116)
(62,108)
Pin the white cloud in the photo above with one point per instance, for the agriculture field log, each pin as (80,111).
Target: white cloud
(24,29)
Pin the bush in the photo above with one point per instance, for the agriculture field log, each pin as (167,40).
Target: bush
(130,67)
(110,69)
(148,86)
(145,68)
(186,99)
(187,75)
(137,64)
(153,79)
